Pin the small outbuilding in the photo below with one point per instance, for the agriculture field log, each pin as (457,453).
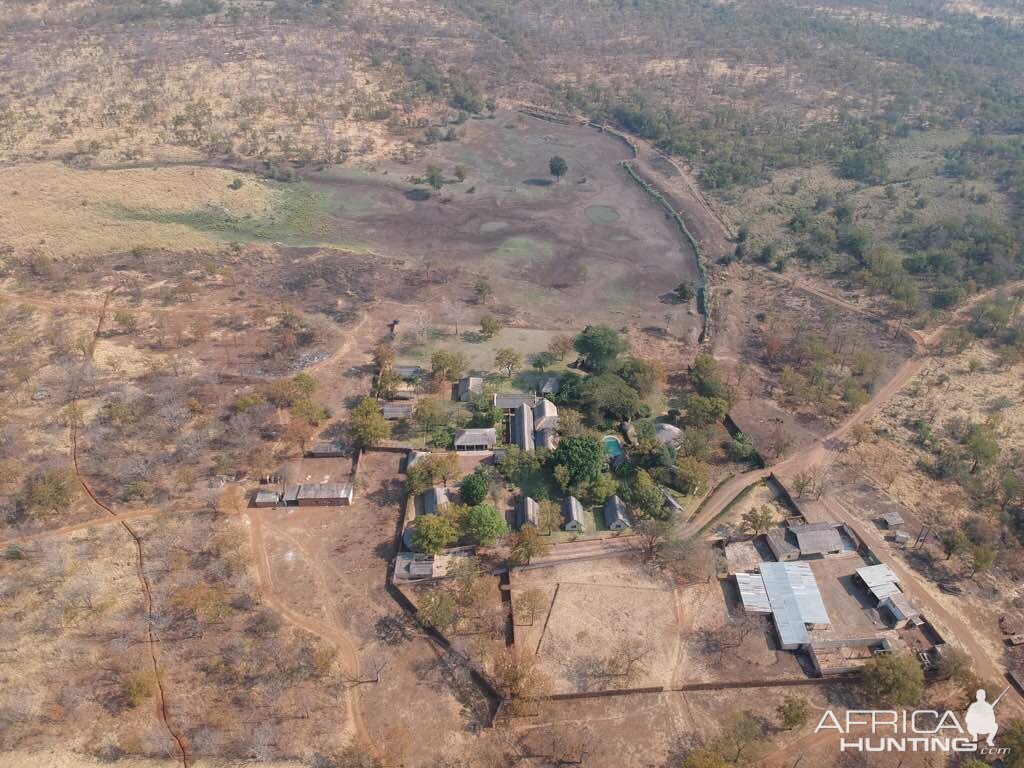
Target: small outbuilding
(615,516)
(901,610)
(266,499)
(482,439)
(550,386)
(818,539)
(509,401)
(468,388)
(395,411)
(435,500)
(892,520)
(527,512)
(572,514)
(324,495)
(325,449)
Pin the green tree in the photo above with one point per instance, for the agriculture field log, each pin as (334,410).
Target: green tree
(429,414)
(982,447)
(482,291)
(794,711)
(982,559)
(542,360)
(611,395)
(701,411)
(689,475)
(758,520)
(434,177)
(600,345)
(305,383)
(685,291)
(583,457)
(558,167)
(893,680)
(645,376)
(485,524)
(1013,738)
(474,488)
(508,361)
(527,544)
(434,533)
(447,365)
(489,326)
(954,542)
(367,426)
(645,495)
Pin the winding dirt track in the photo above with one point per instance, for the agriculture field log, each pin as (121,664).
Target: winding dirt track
(152,640)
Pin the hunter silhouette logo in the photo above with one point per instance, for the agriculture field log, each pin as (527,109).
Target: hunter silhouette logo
(981,717)
(919,730)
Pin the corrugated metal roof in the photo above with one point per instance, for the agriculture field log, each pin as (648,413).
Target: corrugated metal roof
(900,606)
(512,400)
(877,575)
(795,600)
(615,513)
(526,512)
(325,491)
(817,538)
(752,593)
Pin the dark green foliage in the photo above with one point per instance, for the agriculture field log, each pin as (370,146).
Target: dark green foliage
(600,345)
(609,395)
(474,488)
(584,457)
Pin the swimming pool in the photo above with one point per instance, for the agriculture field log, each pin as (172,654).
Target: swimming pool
(612,446)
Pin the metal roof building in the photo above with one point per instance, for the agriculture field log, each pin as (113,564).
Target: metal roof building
(615,517)
(880,580)
(551,386)
(818,539)
(752,593)
(435,499)
(902,610)
(572,512)
(323,494)
(795,601)
(526,512)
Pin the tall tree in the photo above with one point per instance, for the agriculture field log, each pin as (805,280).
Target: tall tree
(558,167)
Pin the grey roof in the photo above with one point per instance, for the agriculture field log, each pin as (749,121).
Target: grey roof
(526,512)
(397,410)
(413,457)
(326,447)
(469,386)
(264,497)
(572,510)
(880,580)
(615,515)
(818,538)
(545,415)
(407,371)
(551,385)
(475,437)
(291,493)
(780,544)
(509,401)
(752,593)
(795,600)
(893,519)
(325,491)
(522,427)
(434,499)
(876,575)
(899,605)
(667,433)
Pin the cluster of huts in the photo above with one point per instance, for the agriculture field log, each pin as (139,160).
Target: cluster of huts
(616,517)
(530,421)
